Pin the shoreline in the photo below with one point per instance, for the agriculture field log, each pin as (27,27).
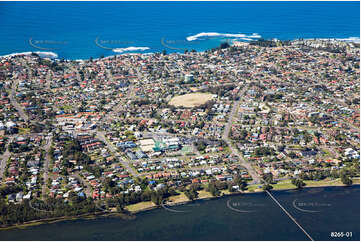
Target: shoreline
(234,42)
(88,216)
(132,214)
(239,193)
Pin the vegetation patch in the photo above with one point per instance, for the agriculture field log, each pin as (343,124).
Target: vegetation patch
(24,130)
(179,198)
(140,206)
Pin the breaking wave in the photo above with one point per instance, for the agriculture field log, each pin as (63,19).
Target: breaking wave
(247,39)
(131,48)
(42,54)
(215,34)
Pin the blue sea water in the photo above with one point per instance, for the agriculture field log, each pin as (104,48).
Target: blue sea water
(79,30)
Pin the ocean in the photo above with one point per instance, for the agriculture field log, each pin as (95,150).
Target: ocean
(320,211)
(80,30)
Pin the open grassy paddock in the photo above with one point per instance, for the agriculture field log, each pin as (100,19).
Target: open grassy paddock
(191,100)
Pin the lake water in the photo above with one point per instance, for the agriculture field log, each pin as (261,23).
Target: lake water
(79,30)
(320,211)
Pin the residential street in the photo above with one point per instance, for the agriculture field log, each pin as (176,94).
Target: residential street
(5,157)
(126,165)
(225,137)
(46,163)
(15,103)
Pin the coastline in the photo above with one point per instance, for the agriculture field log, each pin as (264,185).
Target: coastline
(132,214)
(131,50)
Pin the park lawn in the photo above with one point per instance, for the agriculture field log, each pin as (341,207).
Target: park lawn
(286,184)
(66,107)
(24,130)
(178,198)
(249,190)
(140,206)
(329,182)
(327,153)
(204,194)
(253,188)
(225,191)
(226,150)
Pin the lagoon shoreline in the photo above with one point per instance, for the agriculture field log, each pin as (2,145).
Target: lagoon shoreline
(132,214)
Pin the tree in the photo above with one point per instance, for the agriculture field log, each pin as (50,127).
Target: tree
(191,194)
(146,195)
(156,198)
(201,145)
(230,188)
(298,183)
(212,188)
(334,174)
(346,179)
(292,155)
(243,185)
(119,208)
(240,182)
